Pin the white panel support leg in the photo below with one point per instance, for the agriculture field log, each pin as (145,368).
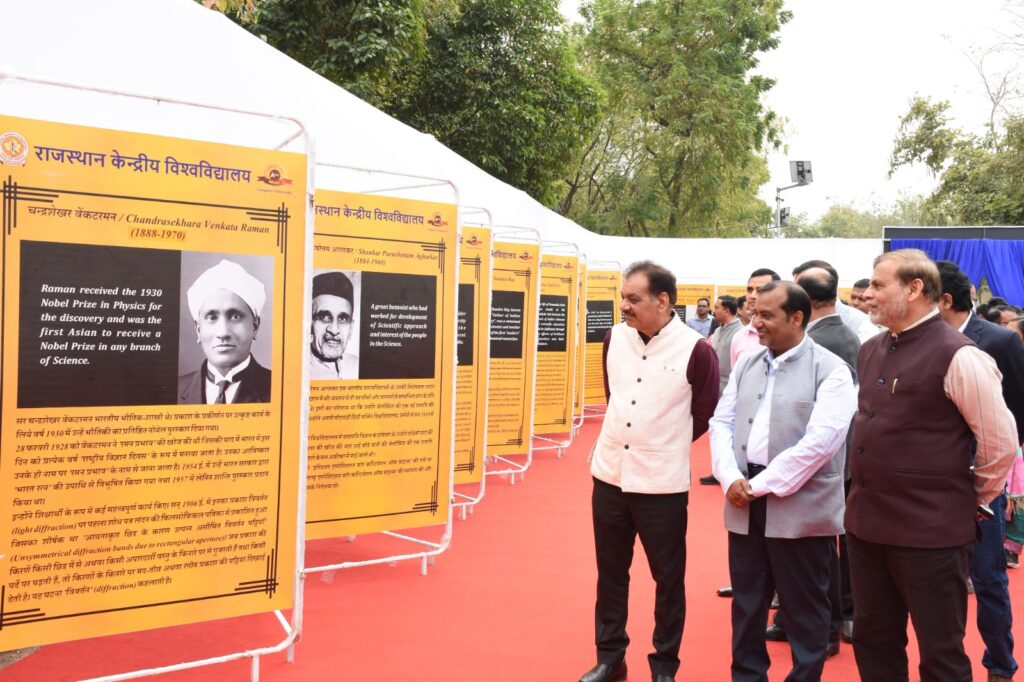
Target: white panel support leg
(254,673)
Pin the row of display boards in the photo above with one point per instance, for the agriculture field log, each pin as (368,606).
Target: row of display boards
(207,358)
(206,361)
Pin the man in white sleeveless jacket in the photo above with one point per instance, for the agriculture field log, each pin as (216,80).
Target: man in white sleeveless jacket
(662,385)
(778,445)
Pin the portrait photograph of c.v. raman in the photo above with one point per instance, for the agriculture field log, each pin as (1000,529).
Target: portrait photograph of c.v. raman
(225,315)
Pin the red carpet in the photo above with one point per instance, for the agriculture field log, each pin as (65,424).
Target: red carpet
(512,599)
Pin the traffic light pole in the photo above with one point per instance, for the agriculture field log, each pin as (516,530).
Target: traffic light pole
(778,205)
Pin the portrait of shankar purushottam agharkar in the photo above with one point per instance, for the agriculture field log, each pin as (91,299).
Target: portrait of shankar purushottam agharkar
(334,334)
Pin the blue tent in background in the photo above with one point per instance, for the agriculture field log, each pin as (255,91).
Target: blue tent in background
(1000,261)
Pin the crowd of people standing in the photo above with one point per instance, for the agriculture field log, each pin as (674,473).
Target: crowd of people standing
(868,453)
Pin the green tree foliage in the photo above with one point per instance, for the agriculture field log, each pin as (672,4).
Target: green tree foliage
(924,135)
(244,11)
(680,151)
(495,80)
(500,86)
(365,46)
(980,177)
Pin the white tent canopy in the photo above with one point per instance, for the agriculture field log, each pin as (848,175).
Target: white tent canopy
(176,49)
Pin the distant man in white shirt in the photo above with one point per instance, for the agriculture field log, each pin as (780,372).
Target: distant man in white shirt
(778,448)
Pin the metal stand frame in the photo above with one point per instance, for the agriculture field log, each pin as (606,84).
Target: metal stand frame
(581,342)
(469,502)
(421,182)
(293,629)
(549,442)
(513,468)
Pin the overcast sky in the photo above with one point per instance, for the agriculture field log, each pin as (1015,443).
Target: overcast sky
(846,72)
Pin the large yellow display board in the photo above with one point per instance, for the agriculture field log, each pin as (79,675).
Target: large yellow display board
(602,313)
(513,339)
(382,364)
(472,353)
(734,290)
(581,343)
(690,294)
(556,344)
(151,380)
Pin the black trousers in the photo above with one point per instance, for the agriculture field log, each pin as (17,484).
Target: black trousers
(839,590)
(798,569)
(660,521)
(891,582)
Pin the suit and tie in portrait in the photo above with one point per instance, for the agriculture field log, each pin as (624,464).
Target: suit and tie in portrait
(225,302)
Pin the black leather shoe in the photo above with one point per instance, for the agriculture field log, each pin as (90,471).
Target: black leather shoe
(846,631)
(774,633)
(603,672)
(662,678)
(724,591)
(708,480)
(833,650)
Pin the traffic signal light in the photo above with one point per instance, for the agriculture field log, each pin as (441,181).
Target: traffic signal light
(783,217)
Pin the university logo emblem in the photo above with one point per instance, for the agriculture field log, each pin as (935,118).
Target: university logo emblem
(438,221)
(473,241)
(13,149)
(274,176)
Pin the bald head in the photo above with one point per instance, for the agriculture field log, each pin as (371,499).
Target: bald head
(822,288)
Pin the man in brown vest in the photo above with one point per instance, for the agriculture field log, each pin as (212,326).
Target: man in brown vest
(926,393)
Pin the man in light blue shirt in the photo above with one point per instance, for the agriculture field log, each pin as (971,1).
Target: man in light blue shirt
(702,323)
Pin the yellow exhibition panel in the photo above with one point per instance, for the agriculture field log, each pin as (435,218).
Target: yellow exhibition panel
(382,364)
(513,341)
(690,294)
(472,353)
(151,388)
(602,313)
(556,341)
(734,290)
